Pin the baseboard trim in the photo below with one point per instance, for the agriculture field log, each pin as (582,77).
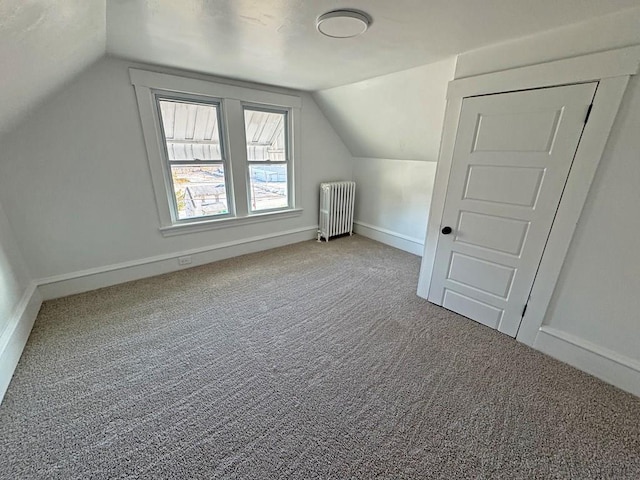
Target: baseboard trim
(14,336)
(388,237)
(94,278)
(607,365)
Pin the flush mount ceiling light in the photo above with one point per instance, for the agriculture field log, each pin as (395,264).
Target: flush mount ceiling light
(343,23)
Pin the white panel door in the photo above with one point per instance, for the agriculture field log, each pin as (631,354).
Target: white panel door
(512,156)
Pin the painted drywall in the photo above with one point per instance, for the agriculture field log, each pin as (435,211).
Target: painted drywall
(19,303)
(14,278)
(597,293)
(394,195)
(603,33)
(392,125)
(276,41)
(596,298)
(77,190)
(397,116)
(44,44)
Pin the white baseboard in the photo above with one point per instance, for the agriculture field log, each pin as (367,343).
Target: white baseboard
(94,278)
(388,237)
(14,336)
(613,368)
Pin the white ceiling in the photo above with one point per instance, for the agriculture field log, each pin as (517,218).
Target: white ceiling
(275,41)
(45,43)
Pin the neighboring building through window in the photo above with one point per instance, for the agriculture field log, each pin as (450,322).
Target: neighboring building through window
(267,157)
(195,157)
(219,154)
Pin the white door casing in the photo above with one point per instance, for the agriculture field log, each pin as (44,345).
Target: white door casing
(512,155)
(612,70)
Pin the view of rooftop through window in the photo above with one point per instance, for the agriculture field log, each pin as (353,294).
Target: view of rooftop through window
(195,157)
(197,160)
(267,156)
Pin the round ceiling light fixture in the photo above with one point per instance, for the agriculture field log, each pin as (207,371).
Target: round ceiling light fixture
(343,23)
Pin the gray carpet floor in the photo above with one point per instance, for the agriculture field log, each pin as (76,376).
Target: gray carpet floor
(308,361)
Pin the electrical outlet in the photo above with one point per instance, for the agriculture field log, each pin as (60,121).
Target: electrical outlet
(186,260)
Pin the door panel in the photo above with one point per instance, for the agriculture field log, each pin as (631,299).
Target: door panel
(528,131)
(506,185)
(492,232)
(470,307)
(511,159)
(481,274)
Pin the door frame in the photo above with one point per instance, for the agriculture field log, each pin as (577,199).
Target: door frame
(611,69)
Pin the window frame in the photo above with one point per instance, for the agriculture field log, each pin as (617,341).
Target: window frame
(232,97)
(288,146)
(160,95)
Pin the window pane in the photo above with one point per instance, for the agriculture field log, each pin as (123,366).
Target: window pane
(268,186)
(200,191)
(191,130)
(266,139)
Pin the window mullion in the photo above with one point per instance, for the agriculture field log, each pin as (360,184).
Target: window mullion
(237,154)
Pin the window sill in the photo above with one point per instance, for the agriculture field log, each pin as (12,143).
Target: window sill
(204,225)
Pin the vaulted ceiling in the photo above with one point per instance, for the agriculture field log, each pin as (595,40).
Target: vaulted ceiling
(45,43)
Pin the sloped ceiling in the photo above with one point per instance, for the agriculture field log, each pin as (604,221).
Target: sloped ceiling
(394,116)
(44,44)
(275,41)
(400,115)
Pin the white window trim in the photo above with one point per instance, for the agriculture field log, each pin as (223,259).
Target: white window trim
(204,225)
(289,134)
(166,163)
(232,97)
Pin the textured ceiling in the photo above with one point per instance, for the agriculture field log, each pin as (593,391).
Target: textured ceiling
(45,43)
(275,41)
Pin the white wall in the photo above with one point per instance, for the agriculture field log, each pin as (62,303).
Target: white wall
(44,45)
(19,303)
(393,199)
(597,297)
(14,279)
(603,33)
(392,126)
(395,116)
(76,186)
(595,307)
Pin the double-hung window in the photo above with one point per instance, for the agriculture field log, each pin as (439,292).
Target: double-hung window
(219,154)
(194,152)
(266,131)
